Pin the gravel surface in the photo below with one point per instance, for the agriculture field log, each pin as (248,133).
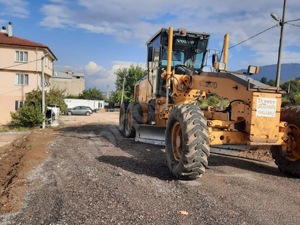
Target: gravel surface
(95,176)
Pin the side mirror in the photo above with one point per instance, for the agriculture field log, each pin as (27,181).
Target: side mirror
(252,70)
(219,66)
(215,59)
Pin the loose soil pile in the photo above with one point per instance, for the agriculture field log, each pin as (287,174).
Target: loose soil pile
(16,160)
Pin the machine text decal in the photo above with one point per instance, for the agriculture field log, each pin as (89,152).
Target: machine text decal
(208,84)
(266,107)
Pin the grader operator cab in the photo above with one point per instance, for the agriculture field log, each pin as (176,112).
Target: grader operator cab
(167,108)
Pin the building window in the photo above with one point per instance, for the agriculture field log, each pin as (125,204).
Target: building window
(21,79)
(19,104)
(21,56)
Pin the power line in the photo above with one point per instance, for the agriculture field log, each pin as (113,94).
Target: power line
(292,20)
(296,25)
(19,64)
(252,36)
(287,22)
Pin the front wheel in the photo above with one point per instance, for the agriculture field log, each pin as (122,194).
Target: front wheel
(187,142)
(287,157)
(133,117)
(122,118)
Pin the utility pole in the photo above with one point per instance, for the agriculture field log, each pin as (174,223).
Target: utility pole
(43,92)
(281,23)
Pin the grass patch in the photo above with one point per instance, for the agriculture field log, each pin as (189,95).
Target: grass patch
(12,128)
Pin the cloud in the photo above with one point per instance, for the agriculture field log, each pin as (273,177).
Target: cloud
(57,16)
(15,8)
(93,69)
(134,21)
(130,20)
(97,76)
(101,78)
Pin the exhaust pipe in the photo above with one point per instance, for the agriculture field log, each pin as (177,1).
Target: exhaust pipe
(170,49)
(226,46)
(169,62)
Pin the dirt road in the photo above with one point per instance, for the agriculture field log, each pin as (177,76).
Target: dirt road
(95,176)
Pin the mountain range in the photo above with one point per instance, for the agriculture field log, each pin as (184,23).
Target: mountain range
(289,71)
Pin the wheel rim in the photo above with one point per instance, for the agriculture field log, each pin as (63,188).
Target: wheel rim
(176,139)
(293,144)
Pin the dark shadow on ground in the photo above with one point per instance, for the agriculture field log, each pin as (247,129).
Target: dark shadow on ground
(138,166)
(245,164)
(144,158)
(150,159)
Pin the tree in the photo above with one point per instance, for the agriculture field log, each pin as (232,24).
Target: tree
(131,76)
(30,114)
(297,99)
(55,96)
(264,80)
(268,82)
(71,96)
(112,102)
(294,86)
(92,94)
(271,82)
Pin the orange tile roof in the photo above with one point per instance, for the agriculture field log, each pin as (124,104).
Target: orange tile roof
(4,39)
(16,41)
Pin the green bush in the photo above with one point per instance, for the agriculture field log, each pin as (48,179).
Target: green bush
(297,99)
(29,115)
(213,101)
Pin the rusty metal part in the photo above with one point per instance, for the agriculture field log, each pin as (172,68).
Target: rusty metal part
(226,44)
(293,143)
(261,153)
(176,139)
(291,115)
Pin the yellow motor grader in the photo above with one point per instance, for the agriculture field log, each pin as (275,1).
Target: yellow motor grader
(167,108)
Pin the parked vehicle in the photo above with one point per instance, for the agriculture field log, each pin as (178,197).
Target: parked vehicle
(80,110)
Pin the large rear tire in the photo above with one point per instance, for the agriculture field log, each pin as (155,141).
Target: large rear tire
(122,118)
(187,142)
(133,117)
(288,158)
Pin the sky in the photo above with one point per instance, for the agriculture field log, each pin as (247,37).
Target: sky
(98,37)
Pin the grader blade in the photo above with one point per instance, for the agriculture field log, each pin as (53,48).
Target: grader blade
(259,153)
(150,134)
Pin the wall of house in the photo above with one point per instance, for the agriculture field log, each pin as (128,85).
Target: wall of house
(8,60)
(10,91)
(72,85)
